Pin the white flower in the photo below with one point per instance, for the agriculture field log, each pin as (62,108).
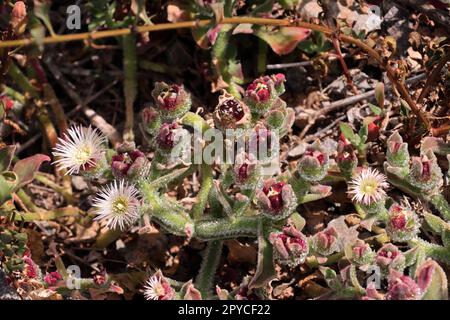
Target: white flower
(368,187)
(118,203)
(158,288)
(80,149)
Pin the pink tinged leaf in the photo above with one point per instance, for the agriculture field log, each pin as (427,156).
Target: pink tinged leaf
(432,281)
(176,14)
(284,40)
(114,287)
(25,169)
(191,292)
(213,33)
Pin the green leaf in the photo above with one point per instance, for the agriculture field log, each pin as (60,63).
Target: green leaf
(363,132)
(405,109)
(5,190)
(375,110)
(6,155)
(446,238)
(432,280)
(138,8)
(436,224)
(298,220)
(349,134)
(42,11)
(315,44)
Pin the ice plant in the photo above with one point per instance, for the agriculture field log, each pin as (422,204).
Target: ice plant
(158,288)
(171,140)
(246,170)
(360,253)
(151,120)
(425,172)
(368,189)
(276,199)
(172,100)
(131,164)
(290,246)
(313,166)
(325,242)
(346,157)
(403,223)
(262,93)
(397,151)
(390,257)
(231,113)
(255,197)
(118,204)
(81,150)
(402,287)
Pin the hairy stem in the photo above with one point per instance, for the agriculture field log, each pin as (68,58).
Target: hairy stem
(130,84)
(202,197)
(211,258)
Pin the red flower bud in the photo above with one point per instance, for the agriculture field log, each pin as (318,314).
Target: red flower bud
(230,113)
(166,136)
(52,278)
(6,103)
(276,199)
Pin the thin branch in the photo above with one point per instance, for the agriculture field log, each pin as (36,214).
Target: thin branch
(433,77)
(399,85)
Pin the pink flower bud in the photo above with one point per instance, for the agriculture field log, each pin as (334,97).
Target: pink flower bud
(262,92)
(346,158)
(390,257)
(425,173)
(18,18)
(191,293)
(172,100)
(258,90)
(397,151)
(166,136)
(325,242)
(313,166)
(245,170)
(31,269)
(373,129)
(372,293)
(361,253)
(276,199)
(128,164)
(290,246)
(6,103)
(151,120)
(403,224)
(52,278)
(402,287)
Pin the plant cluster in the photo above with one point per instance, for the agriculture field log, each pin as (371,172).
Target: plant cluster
(242,199)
